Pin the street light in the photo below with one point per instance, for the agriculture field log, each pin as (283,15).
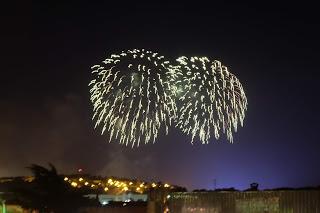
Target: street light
(4,210)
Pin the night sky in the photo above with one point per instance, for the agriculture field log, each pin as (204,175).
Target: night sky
(45,113)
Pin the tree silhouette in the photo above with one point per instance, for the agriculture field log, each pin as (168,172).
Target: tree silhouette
(48,192)
(253,187)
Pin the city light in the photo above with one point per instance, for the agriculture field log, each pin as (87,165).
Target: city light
(74,184)
(114,185)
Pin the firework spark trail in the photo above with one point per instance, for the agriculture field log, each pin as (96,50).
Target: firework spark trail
(209,98)
(132,97)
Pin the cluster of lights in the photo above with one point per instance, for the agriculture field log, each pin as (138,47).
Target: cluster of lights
(114,185)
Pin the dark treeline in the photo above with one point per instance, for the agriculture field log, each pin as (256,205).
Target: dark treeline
(47,192)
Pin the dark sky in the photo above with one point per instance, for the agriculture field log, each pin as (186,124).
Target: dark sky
(45,114)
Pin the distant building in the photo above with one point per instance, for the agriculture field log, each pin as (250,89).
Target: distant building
(271,201)
(105,199)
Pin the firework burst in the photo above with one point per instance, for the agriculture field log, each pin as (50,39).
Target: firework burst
(132,97)
(210,99)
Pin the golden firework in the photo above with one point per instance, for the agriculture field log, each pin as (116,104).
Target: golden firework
(210,99)
(132,96)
